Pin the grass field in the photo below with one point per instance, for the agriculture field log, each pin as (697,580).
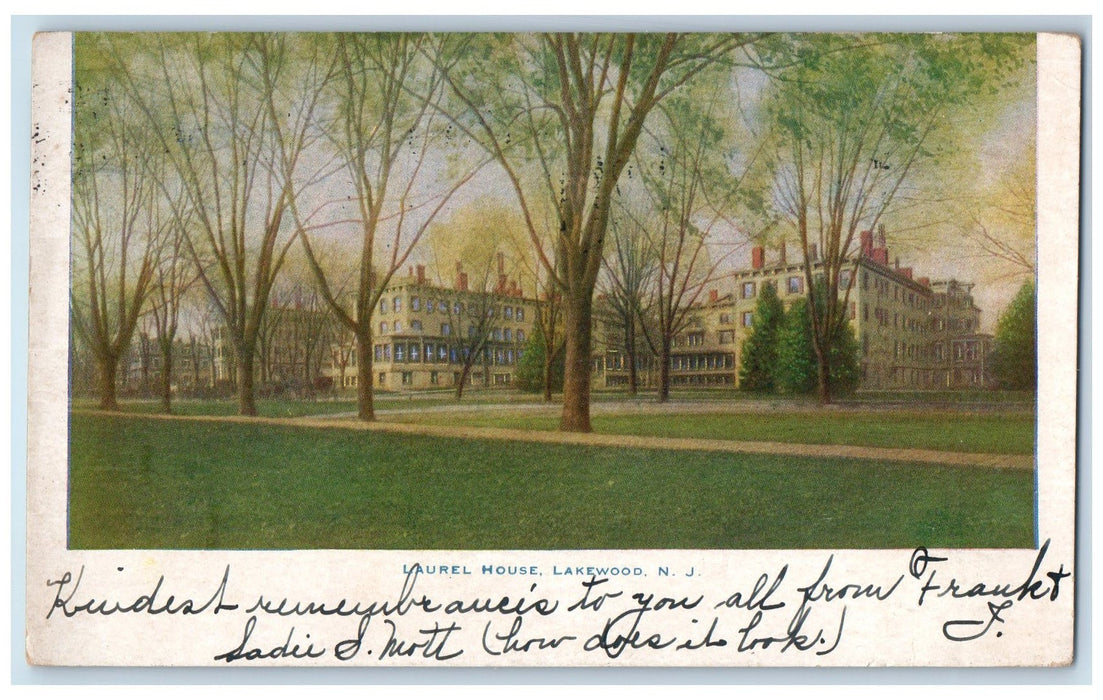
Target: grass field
(142,483)
(997,433)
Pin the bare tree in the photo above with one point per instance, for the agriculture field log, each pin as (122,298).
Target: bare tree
(629,275)
(472,314)
(174,276)
(114,230)
(689,187)
(211,98)
(383,134)
(570,107)
(853,121)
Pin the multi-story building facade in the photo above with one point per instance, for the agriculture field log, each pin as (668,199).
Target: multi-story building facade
(426,334)
(912,333)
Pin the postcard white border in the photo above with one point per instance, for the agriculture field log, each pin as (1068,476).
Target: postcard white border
(1058,159)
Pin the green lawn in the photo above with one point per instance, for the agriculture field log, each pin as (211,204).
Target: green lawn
(141,483)
(997,433)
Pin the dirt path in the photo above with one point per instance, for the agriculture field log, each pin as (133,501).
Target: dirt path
(921,456)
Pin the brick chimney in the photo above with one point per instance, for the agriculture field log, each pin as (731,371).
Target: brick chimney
(421,274)
(925,281)
(501,288)
(501,264)
(867,243)
(714,296)
(461,282)
(758,257)
(781,251)
(881,236)
(906,272)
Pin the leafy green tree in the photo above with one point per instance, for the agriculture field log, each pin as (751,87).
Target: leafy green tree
(795,372)
(561,113)
(531,369)
(853,120)
(797,369)
(758,367)
(1015,357)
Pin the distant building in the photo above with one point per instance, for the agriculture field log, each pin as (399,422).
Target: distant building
(424,332)
(912,333)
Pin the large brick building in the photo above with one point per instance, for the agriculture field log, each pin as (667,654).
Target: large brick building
(424,332)
(913,333)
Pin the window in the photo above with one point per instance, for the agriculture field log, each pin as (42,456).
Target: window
(400,353)
(508,335)
(446,329)
(509,312)
(382,378)
(382,306)
(434,377)
(378,353)
(398,326)
(415,352)
(407,378)
(748,290)
(397,304)
(415,304)
(748,319)
(457,308)
(520,313)
(520,336)
(844,279)
(415,325)
(383,327)
(429,305)
(795,285)
(497,334)
(430,352)
(387,353)
(727,337)
(696,339)
(442,352)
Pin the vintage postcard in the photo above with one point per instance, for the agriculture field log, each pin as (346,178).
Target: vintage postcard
(521,349)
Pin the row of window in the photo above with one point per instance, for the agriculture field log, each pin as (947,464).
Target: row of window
(502,334)
(441,352)
(510,313)
(793,285)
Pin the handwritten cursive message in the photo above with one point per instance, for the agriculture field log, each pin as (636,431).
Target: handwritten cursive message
(619,611)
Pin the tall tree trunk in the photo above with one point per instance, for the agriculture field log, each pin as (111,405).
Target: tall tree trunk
(823,374)
(664,369)
(108,366)
(166,381)
(463,380)
(549,369)
(195,360)
(576,377)
(247,403)
(630,338)
(365,390)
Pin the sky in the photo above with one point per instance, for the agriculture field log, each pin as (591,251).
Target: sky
(927,236)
